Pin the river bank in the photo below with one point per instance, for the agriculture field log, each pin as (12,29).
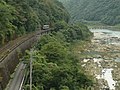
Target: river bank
(99,25)
(101,59)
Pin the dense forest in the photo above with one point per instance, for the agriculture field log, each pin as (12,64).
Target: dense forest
(55,67)
(18,17)
(105,11)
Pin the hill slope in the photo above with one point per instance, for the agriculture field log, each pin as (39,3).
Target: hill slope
(106,11)
(18,17)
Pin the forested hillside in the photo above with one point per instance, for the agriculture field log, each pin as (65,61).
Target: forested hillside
(55,66)
(105,11)
(18,17)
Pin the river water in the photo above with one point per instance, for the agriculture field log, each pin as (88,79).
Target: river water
(103,58)
(109,38)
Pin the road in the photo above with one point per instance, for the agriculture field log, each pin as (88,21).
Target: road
(18,77)
(8,54)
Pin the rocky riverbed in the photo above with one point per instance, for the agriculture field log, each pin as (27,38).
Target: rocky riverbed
(102,59)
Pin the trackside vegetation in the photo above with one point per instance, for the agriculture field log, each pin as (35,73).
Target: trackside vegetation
(55,67)
(18,17)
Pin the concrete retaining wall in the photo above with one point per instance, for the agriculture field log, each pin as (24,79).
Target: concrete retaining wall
(8,65)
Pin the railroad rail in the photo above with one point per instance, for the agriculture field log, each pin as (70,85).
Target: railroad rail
(8,56)
(9,48)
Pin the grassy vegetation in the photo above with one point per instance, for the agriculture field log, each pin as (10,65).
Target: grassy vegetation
(117,27)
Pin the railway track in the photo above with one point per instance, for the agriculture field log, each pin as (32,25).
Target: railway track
(8,48)
(8,54)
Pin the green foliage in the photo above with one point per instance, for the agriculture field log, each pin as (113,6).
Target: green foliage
(44,40)
(27,87)
(106,11)
(18,17)
(51,75)
(54,65)
(64,88)
(60,25)
(7,29)
(76,32)
(54,51)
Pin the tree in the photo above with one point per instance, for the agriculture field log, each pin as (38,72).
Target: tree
(59,25)
(93,10)
(54,51)
(20,17)
(55,67)
(7,29)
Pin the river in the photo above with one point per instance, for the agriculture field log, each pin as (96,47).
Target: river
(103,59)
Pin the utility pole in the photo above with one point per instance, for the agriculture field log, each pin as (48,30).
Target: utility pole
(31,58)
